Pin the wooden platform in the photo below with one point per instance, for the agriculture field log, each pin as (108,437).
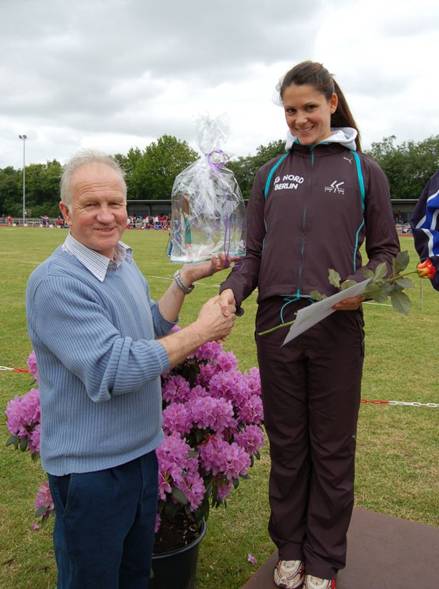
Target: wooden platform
(383,553)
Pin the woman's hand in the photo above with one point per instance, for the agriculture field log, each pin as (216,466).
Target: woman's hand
(190,273)
(227,302)
(350,304)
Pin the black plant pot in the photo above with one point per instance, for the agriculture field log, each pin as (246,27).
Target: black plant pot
(177,569)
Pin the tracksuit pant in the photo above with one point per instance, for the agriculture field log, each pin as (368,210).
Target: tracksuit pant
(311,397)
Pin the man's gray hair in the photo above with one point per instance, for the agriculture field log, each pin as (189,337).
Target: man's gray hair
(82,158)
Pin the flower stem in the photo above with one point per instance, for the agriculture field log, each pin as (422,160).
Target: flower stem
(398,276)
(287,324)
(407,273)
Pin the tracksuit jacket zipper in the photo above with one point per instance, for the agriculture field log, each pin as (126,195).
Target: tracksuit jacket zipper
(298,293)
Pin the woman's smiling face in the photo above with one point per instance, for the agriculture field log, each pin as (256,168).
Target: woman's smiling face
(308,113)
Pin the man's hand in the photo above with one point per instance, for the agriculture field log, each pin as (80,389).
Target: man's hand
(210,325)
(211,321)
(350,304)
(190,273)
(227,302)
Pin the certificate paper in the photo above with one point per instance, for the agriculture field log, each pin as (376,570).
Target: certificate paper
(309,316)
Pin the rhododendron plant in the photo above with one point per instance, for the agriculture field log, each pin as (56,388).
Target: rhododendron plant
(212,421)
(212,424)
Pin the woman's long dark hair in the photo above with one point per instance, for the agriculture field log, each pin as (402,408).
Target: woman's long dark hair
(314,74)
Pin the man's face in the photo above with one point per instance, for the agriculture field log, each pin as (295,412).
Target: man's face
(98,214)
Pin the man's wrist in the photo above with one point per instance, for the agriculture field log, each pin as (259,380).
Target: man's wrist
(183,283)
(188,274)
(199,332)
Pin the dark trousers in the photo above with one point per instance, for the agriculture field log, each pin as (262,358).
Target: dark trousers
(104,527)
(311,396)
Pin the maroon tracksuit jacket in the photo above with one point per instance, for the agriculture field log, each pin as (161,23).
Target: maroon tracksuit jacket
(311,210)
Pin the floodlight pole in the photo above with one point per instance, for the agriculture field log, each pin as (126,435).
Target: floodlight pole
(23,138)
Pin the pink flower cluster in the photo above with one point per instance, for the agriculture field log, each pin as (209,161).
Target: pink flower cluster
(250,439)
(179,468)
(204,412)
(43,501)
(32,365)
(23,421)
(212,420)
(228,460)
(176,389)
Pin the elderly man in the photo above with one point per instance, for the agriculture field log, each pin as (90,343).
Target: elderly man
(102,343)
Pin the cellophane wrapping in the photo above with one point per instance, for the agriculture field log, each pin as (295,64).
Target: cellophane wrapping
(208,211)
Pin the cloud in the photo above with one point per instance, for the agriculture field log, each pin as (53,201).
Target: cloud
(384,62)
(114,74)
(134,68)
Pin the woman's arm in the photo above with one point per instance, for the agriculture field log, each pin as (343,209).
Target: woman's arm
(244,277)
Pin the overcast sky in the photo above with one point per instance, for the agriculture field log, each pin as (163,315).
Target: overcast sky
(114,74)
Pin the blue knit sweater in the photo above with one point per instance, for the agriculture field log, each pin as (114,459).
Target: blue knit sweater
(99,364)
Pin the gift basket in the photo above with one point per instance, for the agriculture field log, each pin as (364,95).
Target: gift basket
(208,211)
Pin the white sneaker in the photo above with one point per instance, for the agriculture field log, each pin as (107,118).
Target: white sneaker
(318,583)
(289,574)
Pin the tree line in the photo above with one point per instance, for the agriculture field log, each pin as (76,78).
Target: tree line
(150,172)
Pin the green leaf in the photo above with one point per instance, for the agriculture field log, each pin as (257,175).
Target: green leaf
(347,284)
(380,297)
(40,511)
(203,511)
(334,278)
(12,441)
(179,496)
(380,271)
(400,302)
(401,261)
(372,290)
(316,295)
(23,444)
(378,293)
(388,287)
(209,487)
(206,510)
(404,282)
(367,273)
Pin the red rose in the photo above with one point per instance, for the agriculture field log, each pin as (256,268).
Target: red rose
(426,269)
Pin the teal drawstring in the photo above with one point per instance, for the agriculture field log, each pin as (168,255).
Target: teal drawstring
(292,299)
(288,300)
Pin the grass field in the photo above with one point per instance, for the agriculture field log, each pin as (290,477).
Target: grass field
(398,447)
